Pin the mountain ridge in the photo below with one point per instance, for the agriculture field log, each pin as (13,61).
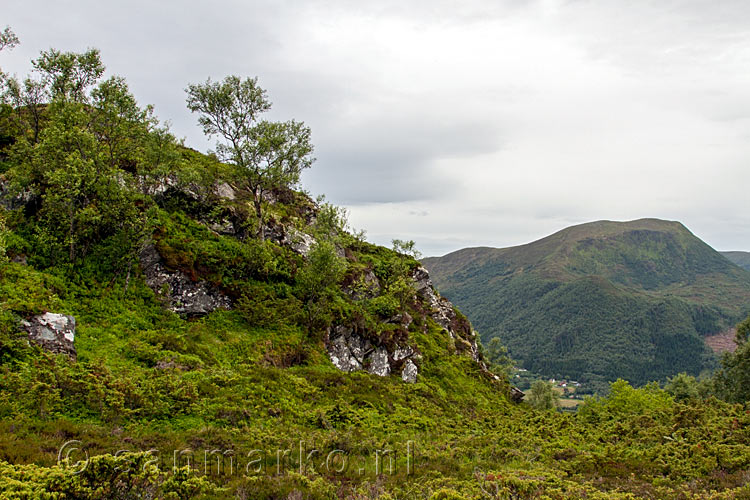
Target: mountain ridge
(598,283)
(741,258)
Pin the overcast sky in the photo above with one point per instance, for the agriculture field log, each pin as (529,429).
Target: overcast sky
(460,123)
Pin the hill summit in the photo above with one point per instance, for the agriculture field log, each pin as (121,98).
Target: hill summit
(600,300)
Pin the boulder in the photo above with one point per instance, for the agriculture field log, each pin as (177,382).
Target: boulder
(53,332)
(347,352)
(183,295)
(409,372)
(225,191)
(401,353)
(225,227)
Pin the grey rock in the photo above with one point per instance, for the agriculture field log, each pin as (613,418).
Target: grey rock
(183,295)
(409,372)
(346,351)
(224,190)
(224,227)
(291,237)
(53,332)
(474,346)
(404,319)
(170,365)
(19,259)
(441,310)
(516,394)
(379,362)
(349,352)
(298,241)
(422,282)
(402,353)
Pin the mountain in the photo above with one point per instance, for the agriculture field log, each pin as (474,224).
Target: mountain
(742,259)
(601,300)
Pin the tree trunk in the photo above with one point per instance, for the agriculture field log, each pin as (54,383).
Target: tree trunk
(127,278)
(258,202)
(72,233)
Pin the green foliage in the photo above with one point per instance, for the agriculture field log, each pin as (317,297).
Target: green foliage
(407,248)
(331,222)
(684,387)
(4,233)
(743,332)
(121,477)
(541,396)
(497,355)
(600,301)
(268,155)
(8,39)
(316,282)
(624,400)
(69,75)
(731,381)
(78,154)
(192,248)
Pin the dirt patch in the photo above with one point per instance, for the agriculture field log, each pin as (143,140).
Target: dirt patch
(722,342)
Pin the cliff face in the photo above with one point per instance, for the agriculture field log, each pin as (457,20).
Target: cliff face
(351,349)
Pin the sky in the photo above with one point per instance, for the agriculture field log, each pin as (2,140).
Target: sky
(456,124)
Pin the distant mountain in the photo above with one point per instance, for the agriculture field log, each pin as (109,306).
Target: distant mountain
(742,259)
(600,300)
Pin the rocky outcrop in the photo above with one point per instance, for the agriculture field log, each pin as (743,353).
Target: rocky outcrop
(298,241)
(291,237)
(225,191)
(351,351)
(54,332)
(441,310)
(464,336)
(182,295)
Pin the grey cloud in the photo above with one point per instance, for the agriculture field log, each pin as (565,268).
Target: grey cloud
(456,124)
(366,176)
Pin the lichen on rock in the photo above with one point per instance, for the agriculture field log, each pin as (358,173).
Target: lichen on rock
(53,332)
(409,372)
(351,351)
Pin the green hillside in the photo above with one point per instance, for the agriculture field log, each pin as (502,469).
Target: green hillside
(742,259)
(178,326)
(600,300)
